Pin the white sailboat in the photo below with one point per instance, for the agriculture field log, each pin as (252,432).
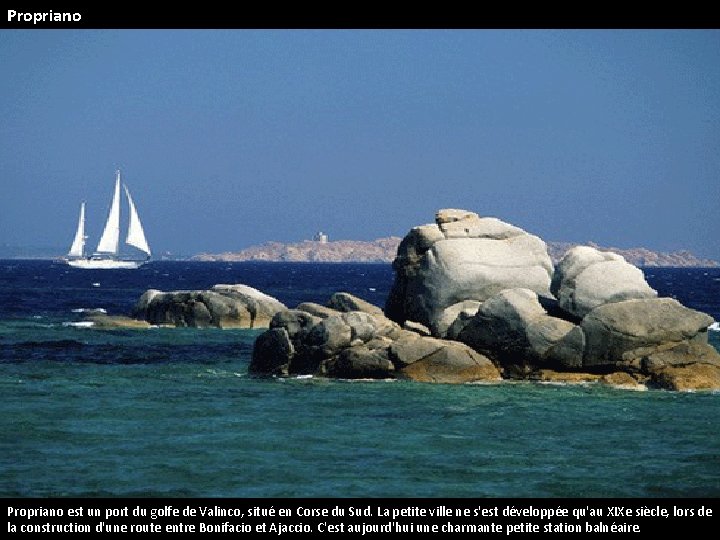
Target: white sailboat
(106,255)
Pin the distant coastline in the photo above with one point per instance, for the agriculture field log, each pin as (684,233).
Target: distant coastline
(381,250)
(384,250)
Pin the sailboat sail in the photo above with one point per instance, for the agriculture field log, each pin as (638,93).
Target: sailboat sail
(78,245)
(111,234)
(135,235)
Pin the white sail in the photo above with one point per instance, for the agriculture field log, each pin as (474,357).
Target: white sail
(111,234)
(135,235)
(78,245)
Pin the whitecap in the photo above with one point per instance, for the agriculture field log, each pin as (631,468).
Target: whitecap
(96,284)
(715,327)
(566,383)
(456,408)
(372,289)
(368,380)
(89,310)
(304,377)
(80,324)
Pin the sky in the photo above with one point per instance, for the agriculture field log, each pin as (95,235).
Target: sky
(230,138)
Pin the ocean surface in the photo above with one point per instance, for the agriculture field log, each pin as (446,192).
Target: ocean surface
(172,412)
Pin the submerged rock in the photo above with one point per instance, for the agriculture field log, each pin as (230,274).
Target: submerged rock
(617,379)
(223,306)
(102,320)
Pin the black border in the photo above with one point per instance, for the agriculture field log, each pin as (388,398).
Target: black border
(348,16)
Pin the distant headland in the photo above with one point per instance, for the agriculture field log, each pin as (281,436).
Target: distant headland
(385,249)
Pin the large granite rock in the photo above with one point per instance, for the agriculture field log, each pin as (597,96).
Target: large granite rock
(646,334)
(513,328)
(459,258)
(586,278)
(361,343)
(641,337)
(223,306)
(272,352)
(452,363)
(361,362)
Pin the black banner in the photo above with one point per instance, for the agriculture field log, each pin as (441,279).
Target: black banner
(502,517)
(107,16)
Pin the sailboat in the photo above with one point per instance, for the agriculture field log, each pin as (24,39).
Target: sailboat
(106,255)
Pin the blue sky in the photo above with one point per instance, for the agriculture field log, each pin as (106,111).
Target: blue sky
(233,138)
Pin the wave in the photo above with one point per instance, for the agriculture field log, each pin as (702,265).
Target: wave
(79,324)
(53,344)
(89,310)
(714,327)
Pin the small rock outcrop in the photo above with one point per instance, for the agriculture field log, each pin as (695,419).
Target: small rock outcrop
(462,257)
(352,339)
(223,306)
(691,377)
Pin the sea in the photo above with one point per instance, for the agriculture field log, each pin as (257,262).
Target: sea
(171,412)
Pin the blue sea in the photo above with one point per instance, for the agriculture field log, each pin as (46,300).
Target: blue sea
(172,412)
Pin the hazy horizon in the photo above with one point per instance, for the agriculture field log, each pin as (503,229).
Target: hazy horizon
(233,138)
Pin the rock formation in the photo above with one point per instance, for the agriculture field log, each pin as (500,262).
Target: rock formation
(491,286)
(349,338)
(474,299)
(461,258)
(223,306)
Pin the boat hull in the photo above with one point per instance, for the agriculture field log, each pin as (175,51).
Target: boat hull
(104,264)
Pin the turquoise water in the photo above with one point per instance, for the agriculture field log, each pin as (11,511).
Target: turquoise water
(172,412)
(198,430)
